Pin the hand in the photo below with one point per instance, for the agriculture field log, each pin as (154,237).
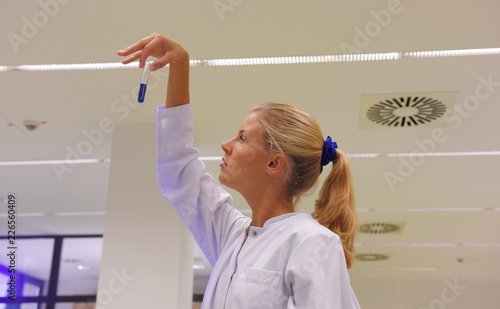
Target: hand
(158,46)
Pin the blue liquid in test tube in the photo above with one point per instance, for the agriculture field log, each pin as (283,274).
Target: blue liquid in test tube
(144,82)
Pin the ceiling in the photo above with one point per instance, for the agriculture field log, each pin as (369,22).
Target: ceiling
(447,200)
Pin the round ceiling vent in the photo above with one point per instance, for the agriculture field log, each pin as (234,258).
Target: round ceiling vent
(406,111)
(31,124)
(379,228)
(371,257)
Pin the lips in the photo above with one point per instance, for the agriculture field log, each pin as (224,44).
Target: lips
(223,162)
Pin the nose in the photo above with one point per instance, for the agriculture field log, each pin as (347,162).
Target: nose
(226,146)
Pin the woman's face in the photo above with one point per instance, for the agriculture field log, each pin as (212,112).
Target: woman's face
(245,160)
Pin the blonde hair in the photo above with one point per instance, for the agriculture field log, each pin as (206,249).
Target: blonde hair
(294,133)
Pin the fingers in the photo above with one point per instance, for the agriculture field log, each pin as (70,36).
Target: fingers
(160,63)
(132,58)
(138,50)
(158,46)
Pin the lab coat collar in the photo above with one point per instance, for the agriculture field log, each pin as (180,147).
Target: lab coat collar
(277,219)
(255,230)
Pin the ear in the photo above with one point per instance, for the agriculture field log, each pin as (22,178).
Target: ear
(276,164)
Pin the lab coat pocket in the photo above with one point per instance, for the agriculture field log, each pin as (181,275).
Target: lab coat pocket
(256,288)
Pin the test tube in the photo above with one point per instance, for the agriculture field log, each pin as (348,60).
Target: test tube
(144,82)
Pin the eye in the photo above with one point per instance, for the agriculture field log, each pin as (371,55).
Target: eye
(242,139)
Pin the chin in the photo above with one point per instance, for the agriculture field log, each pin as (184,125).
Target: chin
(223,179)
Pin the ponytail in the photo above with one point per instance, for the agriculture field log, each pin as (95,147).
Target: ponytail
(295,133)
(335,207)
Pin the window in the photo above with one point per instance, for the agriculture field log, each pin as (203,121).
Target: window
(51,272)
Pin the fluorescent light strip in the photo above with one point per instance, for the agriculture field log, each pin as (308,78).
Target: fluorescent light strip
(57,214)
(394,268)
(427,245)
(303,59)
(408,209)
(402,154)
(452,53)
(266,60)
(425,154)
(70,67)
(27,214)
(445,154)
(365,155)
(424,209)
(48,162)
(88,213)
(219,158)
(249,211)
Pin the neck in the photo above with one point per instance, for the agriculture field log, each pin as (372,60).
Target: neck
(267,205)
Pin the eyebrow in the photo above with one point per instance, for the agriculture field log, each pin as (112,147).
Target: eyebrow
(242,131)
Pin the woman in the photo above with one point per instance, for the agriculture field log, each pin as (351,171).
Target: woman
(279,258)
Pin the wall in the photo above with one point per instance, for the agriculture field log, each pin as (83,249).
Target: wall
(147,250)
(447,293)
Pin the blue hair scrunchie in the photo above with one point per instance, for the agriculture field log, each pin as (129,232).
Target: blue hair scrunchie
(329,152)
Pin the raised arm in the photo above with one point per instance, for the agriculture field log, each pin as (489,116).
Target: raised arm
(204,206)
(167,52)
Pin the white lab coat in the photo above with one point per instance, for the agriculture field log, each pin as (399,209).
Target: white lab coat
(291,262)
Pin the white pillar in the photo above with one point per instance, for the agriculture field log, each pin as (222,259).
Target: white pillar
(147,250)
